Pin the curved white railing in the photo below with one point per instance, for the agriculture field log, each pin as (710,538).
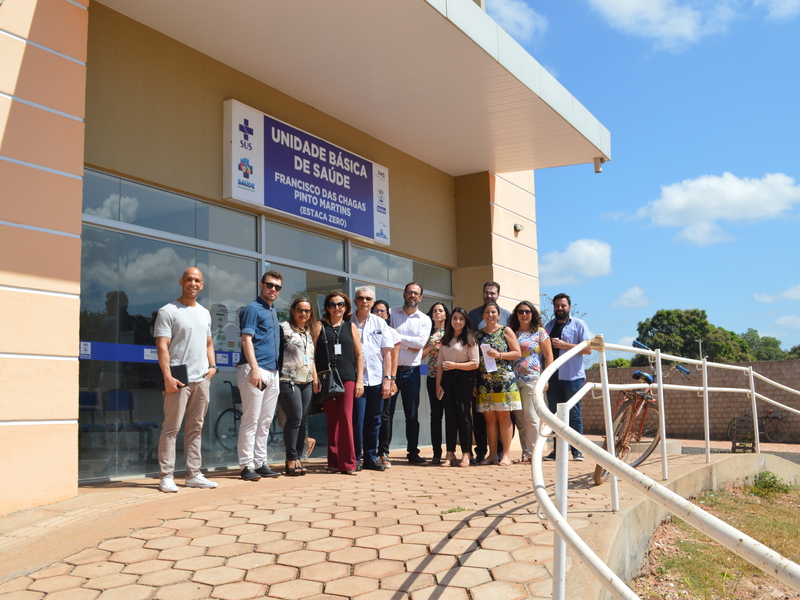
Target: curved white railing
(749,549)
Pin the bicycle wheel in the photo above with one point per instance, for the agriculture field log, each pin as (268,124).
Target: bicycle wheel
(635,436)
(227,428)
(776,430)
(731,427)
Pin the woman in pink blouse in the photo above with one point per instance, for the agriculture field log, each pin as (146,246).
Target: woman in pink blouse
(455,384)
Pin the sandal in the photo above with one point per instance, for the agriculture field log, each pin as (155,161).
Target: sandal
(292,471)
(445,463)
(524,459)
(350,472)
(301,468)
(465,461)
(331,470)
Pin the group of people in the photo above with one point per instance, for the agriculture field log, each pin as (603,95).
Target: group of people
(481,369)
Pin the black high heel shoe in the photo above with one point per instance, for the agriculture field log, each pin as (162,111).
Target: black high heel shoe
(293,471)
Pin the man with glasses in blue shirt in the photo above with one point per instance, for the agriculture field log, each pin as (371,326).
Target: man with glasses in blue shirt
(258,378)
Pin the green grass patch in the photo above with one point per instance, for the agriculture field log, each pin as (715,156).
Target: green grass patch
(453,510)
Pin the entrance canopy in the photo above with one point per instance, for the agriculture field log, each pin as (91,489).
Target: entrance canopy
(437,79)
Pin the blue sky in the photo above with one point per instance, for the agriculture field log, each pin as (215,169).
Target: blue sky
(700,204)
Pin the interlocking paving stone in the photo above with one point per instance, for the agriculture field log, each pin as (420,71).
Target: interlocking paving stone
(301,558)
(328,571)
(353,556)
(56,584)
(127,592)
(15,585)
(209,541)
(331,524)
(197,532)
(242,529)
(504,542)
(251,560)
(499,590)
(188,590)
(219,575)
(380,595)
(184,523)
(106,582)
(73,594)
(134,555)
(329,544)
(307,535)
(403,552)
(229,550)
(166,542)
(152,533)
(466,577)
(260,537)
(440,592)
(407,582)
(533,554)
(241,590)
(148,566)
(23,595)
(485,558)
(181,553)
(280,546)
(53,570)
(123,543)
(377,541)
(209,515)
(298,588)
(199,562)
(520,572)
(87,556)
(163,578)
(378,569)
(271,574)
(351,586)
(454,547)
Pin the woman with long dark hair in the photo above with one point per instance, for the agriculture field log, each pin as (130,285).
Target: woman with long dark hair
(338,343)
(381,309)
(534,344)
(455,383)
(439,316)
(298,379)
(498,394)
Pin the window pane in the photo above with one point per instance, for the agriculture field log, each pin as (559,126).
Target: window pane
(156,209)
(228,227)
(401,270)
(369,263)
(303,246)
(100,195)
(434,278)
(312,284)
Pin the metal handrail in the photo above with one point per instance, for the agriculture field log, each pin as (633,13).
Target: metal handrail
(557,426)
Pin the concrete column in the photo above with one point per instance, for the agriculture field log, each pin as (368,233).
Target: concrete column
(488,206)
(42,91)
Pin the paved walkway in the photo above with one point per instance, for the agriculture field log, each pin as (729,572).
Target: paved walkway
(410,533)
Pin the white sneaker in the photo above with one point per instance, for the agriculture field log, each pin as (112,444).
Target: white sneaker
(198,481)
(167,484)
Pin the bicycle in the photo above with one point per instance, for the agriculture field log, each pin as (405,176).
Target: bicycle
(769,425)
(227,425)
(636,422)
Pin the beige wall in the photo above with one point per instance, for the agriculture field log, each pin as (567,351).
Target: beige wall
(489,205)
(41,162)
(155,114)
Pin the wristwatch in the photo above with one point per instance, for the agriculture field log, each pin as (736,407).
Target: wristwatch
(215,367)
(392,377)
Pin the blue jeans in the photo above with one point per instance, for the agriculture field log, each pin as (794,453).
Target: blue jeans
(408,385)
(367,412)
(561,391)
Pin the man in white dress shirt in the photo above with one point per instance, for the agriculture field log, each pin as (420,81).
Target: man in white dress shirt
(413,327)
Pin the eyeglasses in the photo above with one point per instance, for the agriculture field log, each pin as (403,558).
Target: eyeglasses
(524,312)
(336,304)
(272,286)
(363,298)
(379,311)
(303,311)
(413,293)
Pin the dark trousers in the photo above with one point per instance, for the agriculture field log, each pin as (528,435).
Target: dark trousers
(561,391)
(437,415)
(457,403)
(339,413)
(367,418)
(295,401)
(408,385)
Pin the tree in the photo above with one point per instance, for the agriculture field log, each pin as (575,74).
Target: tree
(617,363)
(794,353)
(546,309)
(763,348)
(676,332)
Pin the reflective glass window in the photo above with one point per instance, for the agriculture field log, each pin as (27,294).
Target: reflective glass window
(369,263)
(303,246)
(149,207)
(228,227)
(101,195)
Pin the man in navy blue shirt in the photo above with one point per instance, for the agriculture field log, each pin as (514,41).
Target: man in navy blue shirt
(565,333)
(258,377)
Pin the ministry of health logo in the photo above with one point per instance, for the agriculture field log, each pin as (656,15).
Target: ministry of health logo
(246,130)
(245,167)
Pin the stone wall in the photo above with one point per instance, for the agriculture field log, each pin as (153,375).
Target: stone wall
(684,410)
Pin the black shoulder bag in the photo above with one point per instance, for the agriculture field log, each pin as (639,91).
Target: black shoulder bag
(329,380)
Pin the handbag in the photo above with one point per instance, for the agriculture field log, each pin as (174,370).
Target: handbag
(329,380)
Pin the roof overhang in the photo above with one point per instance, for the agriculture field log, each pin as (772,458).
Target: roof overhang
(437,79)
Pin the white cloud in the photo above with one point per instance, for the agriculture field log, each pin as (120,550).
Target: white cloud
(670,23)
(696,205)
(788,321)
(793,293)
(581,260)
(626,341)
(632,298)
(515,16)
(780,9)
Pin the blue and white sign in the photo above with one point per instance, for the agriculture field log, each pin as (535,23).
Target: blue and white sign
(275,165)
